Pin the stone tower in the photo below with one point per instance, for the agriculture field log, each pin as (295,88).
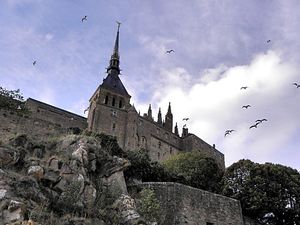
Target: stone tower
(109,103)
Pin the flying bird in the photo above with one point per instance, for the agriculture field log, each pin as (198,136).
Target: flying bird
(184,126)
(227,132)
(246,106)
(260,121)
(297,85)
(244,87)
(268,41)
(186,119)
(169,51)
(255,125)
(84,18)
(34,62)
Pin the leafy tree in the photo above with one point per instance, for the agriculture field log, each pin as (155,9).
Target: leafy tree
(143,169)
(197,170)
(268,192)
(12,100)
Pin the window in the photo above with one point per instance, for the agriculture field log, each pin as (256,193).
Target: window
(159,144)
(114,126)
(113,102)
(171,150)
(106,100)
(120,104)
(207,223)
(114,113)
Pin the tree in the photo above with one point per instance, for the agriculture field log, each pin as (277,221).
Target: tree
(196,169)
(268,192)
(143,169)
(12,100)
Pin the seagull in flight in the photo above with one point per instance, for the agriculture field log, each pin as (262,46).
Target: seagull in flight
(268,41)
(186,119)
(244,87)
(246,106)
(260,121)
(255,125)
(34,62)
(84,18)
(227,132)
(169,51)
(297,85)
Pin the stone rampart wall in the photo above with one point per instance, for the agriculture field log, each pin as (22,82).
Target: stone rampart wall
(181,204)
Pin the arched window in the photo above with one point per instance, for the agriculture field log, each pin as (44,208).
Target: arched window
(113,102)
(113,126)
(120,104)
(106,100)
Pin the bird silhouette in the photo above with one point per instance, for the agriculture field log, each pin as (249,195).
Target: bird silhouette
(169,51)
(184,126)
(260,121)
(84,18)
(186,119)
(268,41)
(255,125)
(246,106)
(227,132)
(297,85)
(34,62)
(244,87)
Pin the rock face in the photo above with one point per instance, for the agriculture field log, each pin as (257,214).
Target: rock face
(71,179)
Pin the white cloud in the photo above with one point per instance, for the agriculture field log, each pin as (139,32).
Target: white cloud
(214,105)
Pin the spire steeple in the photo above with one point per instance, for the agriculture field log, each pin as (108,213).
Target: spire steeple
(114,62)
(159,118)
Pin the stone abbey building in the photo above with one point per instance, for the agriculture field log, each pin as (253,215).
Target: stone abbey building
(111,112)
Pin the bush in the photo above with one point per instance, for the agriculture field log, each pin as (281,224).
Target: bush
(149,206)
(196,170)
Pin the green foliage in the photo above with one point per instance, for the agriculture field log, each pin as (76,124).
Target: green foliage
(149,206)
(143,169)
(268,192)
(197,170)
(12,100)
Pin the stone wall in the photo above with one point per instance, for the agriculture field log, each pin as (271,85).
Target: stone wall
(42,121)
(181,204)
(52,114)
(194,143)
(12,124)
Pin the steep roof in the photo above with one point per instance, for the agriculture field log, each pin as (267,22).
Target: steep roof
(113,83)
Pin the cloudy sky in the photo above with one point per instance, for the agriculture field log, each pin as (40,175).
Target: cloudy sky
(219,46)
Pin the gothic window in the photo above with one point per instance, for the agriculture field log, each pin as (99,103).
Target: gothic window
(106,100)
(113,126)
(120,104)
(159,144)
(113,102)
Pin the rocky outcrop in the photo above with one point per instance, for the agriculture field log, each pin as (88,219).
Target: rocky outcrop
(68,180)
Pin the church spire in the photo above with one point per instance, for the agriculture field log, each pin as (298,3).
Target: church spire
(115,57)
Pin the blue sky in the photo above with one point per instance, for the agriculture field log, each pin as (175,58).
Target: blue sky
(219,47)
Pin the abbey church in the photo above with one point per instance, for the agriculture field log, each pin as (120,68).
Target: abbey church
(111,112)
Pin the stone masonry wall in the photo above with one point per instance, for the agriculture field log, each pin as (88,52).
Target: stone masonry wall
(181,204)
(192,143)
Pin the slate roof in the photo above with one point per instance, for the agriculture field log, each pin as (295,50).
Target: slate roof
(113,83)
